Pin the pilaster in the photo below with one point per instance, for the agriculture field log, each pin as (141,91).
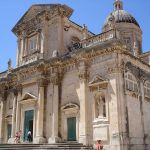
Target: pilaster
(141,98)
(83,123)
(2,122)
(55,112)
(122,114)
(117,107)
(39,40)
(42,82)
(12,139)
(2,117)
(18,112)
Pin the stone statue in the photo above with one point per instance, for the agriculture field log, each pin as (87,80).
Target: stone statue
(55,53)
(9,65)
(100,106)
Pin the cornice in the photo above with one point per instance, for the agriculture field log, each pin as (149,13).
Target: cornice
(59,64)
(137,62)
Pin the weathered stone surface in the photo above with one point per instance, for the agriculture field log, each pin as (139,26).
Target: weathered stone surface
(95,79)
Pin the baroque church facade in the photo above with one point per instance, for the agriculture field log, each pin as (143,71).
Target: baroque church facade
(73,85)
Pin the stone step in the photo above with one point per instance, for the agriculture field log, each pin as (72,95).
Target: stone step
(57,146)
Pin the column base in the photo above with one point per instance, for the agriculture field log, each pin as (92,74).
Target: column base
(39,140)
(1,140)
(83,140)
(11,140)
(52,140)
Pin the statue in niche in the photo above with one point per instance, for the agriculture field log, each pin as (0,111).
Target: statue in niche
(101,110)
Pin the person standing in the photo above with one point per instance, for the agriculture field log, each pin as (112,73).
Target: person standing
(99,145)
(29,136)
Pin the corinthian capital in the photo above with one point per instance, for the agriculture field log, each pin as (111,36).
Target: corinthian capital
(56,78)
(3,95)
(83,75)
(42,82)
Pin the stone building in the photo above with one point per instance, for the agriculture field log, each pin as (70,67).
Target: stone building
(73,85)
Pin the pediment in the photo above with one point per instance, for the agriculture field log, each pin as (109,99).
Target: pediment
(32,11)
(38,9)
(98,83)
(28,96)
(70,106)
(97,79)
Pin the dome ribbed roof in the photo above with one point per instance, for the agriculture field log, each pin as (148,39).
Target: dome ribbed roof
(122,16)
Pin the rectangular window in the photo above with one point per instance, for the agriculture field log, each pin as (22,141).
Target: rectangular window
(32,44)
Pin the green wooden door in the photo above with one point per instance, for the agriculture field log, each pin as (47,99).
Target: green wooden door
(28,121)
(71,123)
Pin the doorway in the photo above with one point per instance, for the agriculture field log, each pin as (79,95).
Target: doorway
(71,125)
(9,128)
(28,123)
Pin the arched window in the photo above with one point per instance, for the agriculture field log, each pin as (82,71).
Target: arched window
(130,82)
(147,89)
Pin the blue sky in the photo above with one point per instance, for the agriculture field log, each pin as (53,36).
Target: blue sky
(90,12)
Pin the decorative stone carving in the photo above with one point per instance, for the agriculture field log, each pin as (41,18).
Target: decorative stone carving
(98,83)
(26,73)
(117,69)
(3,95)
(55,78)
(9,65)
(42,82)
(83,75)
(55,53)
(111,22)
(100,106)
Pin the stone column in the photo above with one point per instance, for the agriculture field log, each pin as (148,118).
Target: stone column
(117,107)
(141,98)
(83,124)
(24,44)
(40,113)
(55,112)
(18,112)
(122,114)
(12,139)
(14,117)
(2,121)
(60,35)
(18,51)
(114,109)
(39,40)
(42,43)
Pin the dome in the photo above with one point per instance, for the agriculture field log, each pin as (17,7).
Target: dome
(121,16)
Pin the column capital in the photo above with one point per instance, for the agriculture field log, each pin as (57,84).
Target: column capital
(17,89)
(83,74)
(42,82)
(3,94)
(56,78)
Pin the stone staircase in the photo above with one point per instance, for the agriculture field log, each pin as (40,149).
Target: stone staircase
(58,146)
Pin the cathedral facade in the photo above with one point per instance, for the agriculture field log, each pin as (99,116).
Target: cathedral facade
(73,85)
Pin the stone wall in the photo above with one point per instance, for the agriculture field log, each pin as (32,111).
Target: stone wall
(135,123)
